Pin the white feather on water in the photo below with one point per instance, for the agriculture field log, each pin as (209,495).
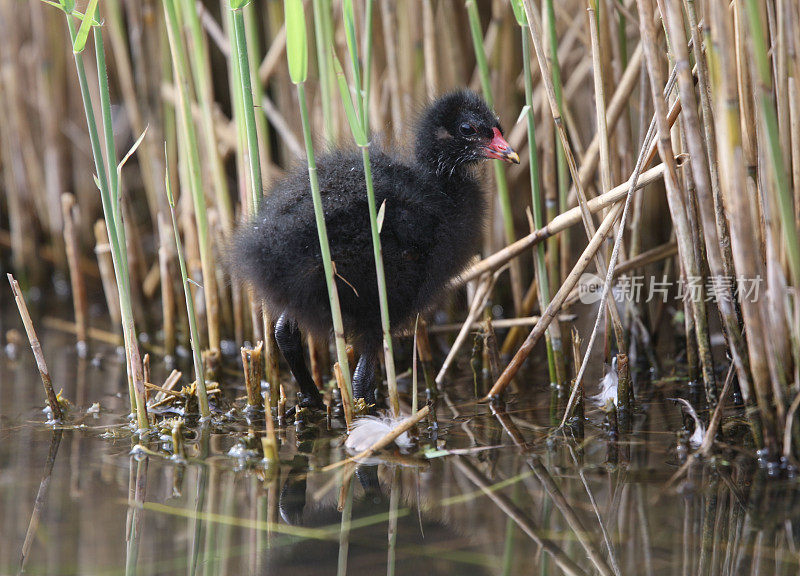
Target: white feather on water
(609,384)
(369,429)
(696,439)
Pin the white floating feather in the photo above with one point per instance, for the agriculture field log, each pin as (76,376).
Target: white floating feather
(696,439)
(608,386)
(369,429)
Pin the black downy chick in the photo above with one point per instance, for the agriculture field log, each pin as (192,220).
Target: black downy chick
(434,217)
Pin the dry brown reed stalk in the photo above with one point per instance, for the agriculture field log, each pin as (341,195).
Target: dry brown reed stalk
(479,300)
(576,364)
(97,334)
(79,301)
(251,360)
(555,304)
(105,264)
(535,30)
(745,240)
(498,324)
(676,196)
(166,255)
(714,232)
(344,390)
(490,346)
(36,348)
(558,224)
(272,371)
(146,372)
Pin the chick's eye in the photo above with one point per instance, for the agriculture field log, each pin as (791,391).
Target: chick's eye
(467,129)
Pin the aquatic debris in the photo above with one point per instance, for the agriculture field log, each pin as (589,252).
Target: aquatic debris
(369,429)
(696,439)
(608,386)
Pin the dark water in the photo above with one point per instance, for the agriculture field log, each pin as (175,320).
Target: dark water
(597,507)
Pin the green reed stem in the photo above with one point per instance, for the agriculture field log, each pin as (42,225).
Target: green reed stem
(555,71)
(323,37)
(113,225)
(181,75)
(499,172)
(348,14)
(322,232)
(235,87)
(361,135)
(243,68)
(367,64)
(253,50)
(388,350)
(202,395)
(770,123)
(552,340)
(201,72)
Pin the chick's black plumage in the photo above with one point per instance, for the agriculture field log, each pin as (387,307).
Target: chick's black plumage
(434,213)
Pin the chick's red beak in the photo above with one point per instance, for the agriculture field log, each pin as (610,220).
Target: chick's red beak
(498,148)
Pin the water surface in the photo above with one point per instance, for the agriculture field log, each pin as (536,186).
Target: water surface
(511,500)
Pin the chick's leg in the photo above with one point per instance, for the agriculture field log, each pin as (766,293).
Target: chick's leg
(287,335)
(364,377)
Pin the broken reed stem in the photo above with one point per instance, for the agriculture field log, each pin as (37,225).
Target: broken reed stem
(147,376)
(555,305)
(79,301)
(269,443)
(272,372)
(178,445)
(383,442)
(579,406)
(36,348)
(251,360)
